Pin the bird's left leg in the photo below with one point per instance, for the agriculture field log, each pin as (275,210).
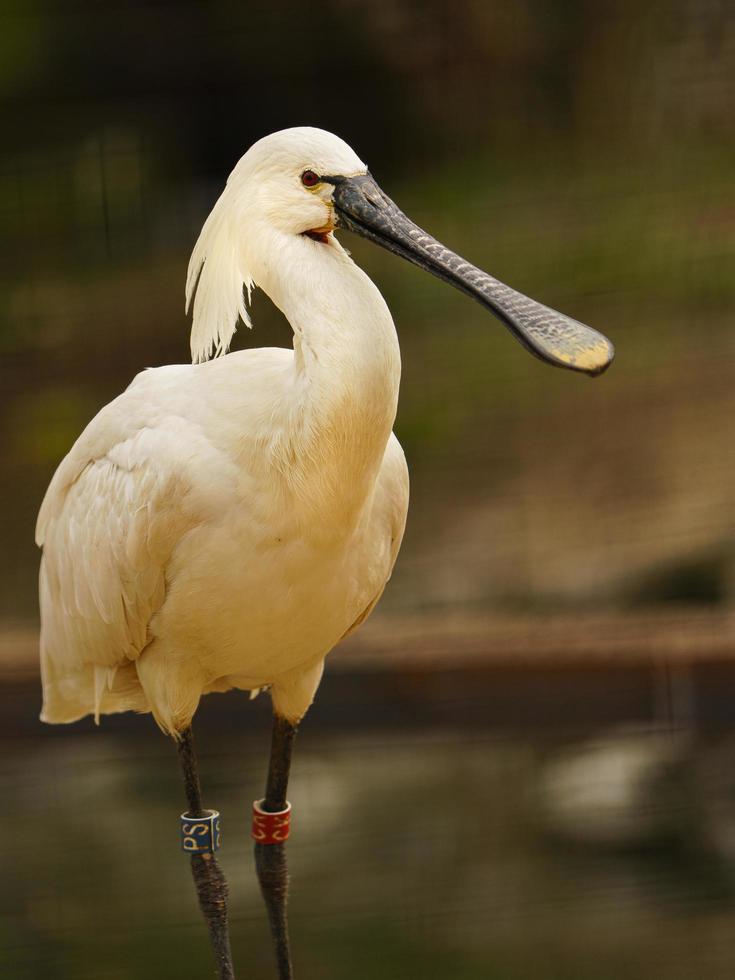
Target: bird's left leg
(270,830)
(200,830)
(291,696)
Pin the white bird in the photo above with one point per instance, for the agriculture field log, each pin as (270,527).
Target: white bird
(225,523)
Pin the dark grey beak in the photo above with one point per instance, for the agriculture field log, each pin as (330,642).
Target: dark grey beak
(362,207)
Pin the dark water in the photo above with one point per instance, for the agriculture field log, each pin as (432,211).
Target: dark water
(455,852)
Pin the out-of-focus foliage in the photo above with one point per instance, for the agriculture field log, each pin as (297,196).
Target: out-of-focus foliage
(581,151)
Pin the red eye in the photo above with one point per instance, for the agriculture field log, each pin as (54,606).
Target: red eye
(309,178)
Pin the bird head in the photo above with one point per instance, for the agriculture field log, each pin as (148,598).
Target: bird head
(279,180)
(275,189)
(307,182)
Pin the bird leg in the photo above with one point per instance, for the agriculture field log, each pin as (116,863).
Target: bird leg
(208,878)
(270,830)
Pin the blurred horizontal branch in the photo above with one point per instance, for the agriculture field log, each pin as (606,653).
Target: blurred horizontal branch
(458,642)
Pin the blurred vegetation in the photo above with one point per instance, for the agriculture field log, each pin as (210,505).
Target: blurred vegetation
(581,151)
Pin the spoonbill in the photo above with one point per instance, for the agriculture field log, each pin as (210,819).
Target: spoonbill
(223,524)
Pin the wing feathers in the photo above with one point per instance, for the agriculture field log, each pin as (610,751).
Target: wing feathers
(109,526)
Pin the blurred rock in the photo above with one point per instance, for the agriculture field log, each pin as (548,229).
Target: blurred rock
(626,789)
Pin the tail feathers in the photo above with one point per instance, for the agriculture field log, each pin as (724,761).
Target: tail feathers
(91,691)
(104,678)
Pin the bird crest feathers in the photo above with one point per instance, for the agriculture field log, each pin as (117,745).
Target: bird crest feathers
(216,283)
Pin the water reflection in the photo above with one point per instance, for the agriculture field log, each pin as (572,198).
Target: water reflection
(414,855)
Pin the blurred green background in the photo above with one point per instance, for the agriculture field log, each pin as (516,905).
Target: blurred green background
(584,153)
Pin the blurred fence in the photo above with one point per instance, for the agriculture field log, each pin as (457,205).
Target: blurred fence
(582,152)
(569,562)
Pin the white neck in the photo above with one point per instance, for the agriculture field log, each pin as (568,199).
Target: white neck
(347,370)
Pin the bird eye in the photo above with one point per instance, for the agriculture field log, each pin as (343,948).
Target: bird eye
(309,178)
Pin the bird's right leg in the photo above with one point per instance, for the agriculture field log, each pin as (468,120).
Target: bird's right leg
(200,829)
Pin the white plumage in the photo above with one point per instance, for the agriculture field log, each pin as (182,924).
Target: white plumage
(224,524)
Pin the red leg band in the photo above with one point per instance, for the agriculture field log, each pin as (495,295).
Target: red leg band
(270,828)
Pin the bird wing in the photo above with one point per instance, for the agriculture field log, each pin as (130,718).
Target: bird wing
(118,505)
